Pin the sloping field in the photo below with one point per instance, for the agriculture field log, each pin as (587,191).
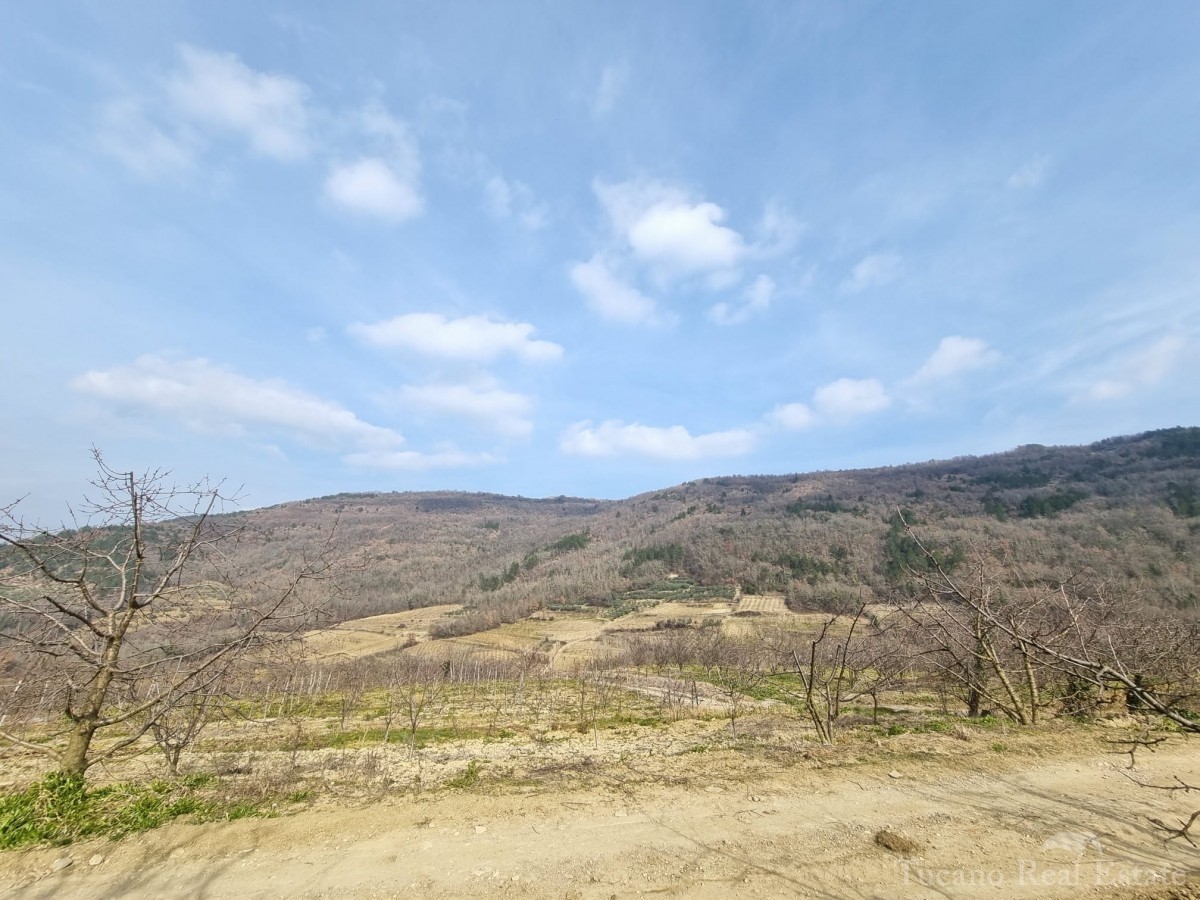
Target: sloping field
(764,604)
(376,634)
(646,618)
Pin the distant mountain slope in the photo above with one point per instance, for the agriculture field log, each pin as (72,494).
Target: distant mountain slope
(1127,507)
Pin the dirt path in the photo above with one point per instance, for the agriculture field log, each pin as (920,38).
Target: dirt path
(1029,829)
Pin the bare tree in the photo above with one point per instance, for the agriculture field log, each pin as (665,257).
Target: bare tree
(737,670)
(1005,635)
(828,666)
(178,716)
(417,687)
(1077,629)
(131,614)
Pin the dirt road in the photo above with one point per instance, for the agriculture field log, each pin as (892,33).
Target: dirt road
(1041,828)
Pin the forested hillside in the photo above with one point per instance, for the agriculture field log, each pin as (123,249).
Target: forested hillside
(1127,509)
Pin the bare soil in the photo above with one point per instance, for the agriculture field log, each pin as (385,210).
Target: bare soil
(690,813)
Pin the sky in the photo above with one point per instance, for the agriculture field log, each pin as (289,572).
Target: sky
(593,249)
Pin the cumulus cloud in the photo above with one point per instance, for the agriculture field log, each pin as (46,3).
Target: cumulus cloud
(792,416)
(220,92)
(872,271)
(413,461)
(670,230)
(210,398)
(482,401)
(372,187)
(756,299)
(612,298)
(686,237)
(848,398)
(955,355)
(470,338)
(675,443)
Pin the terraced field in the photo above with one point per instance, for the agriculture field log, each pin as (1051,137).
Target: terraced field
(375,634)
(764,604)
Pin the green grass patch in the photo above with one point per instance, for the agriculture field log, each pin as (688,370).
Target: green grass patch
(60,809)
(467,779)
(425,736)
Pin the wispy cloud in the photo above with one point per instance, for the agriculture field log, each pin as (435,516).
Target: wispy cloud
(483,401)
(612,298)
(470,338)
(1136,371)
(955,355)
(849,398)
(413,461)
(210,398)
(674,443)
(128,134)
(756,299)
(613,80)
(872,271)
(1030,175)
(792,416)
(514,201)
(220,92)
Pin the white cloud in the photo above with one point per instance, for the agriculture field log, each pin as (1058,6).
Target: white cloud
(221,92)
(612,84)
(668,229)
(1029,175)
(1138,370)
(384,183)
(128,134)
(471,338)
(756,298)
(848,398)
(615,438)
(872,271)
(412,461)
(686,237)
(372,187)
(483,401)
(612,298)
(513,201)
(955,355)
(211,398)
(792,416)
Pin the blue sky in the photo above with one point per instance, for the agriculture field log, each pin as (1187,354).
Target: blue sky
(593,249)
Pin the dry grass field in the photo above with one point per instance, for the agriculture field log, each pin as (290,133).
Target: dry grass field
(373,635)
